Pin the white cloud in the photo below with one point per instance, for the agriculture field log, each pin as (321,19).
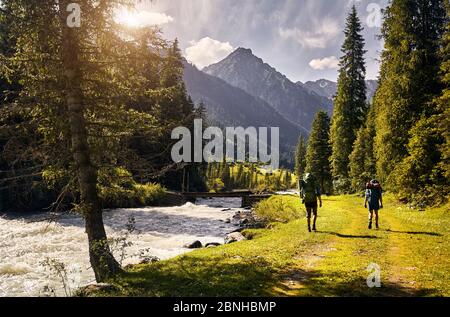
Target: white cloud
(331,62)
(207,51)
(142,18)
(319,37)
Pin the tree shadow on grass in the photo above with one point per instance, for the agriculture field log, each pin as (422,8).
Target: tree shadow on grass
(191,276)
(434,234)
(336,284)
(250,277)
(234,276)
(348,236)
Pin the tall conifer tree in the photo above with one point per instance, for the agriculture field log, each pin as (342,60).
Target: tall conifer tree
(362,159)
(350,102)
(78,84)
(422,177)
(300,157)
(409,78)
(319,151)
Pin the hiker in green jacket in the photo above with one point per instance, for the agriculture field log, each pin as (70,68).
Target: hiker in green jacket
(310,193)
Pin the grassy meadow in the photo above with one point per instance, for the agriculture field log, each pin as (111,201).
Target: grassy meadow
(411,248)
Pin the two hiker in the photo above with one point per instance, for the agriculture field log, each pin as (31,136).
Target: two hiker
(310,192)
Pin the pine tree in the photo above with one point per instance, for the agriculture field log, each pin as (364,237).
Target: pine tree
(350,102)
(300,157)
(423,175)
(443,102)
(319,151)
(13,191)
(172,72)
(408,78)
(171,105)
(362,159)
(9,87)
(77,105)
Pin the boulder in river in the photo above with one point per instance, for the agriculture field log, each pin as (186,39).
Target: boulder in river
(149,259)
(212,245)
(194,245)
(234,237)
(244,222)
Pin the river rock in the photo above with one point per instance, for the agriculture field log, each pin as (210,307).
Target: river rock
(149,259)
(244,222)
(194,245)
(93,289)
(234,237)
(212,245)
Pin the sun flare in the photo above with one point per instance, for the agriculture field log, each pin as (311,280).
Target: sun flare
(128,17)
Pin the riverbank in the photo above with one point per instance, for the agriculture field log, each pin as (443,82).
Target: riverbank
(412,250)
(28,240)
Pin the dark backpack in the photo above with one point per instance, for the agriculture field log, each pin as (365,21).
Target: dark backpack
(373,184)
(375,190)
(309,187)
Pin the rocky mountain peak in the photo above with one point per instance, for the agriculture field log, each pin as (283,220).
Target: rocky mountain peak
(250,73)
(243,51)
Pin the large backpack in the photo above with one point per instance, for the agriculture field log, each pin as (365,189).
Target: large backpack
(375,189)
(309,187)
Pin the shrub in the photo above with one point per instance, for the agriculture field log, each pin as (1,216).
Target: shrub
(117,189)
(216,185)
(279,209)
(138,196)
(149,194)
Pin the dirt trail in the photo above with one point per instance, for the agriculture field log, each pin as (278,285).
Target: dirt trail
(303,270)
(397,252)
(359,247)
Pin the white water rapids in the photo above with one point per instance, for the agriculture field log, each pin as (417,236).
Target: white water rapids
(27,240)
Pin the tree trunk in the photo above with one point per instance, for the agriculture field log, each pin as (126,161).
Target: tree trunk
(101,258)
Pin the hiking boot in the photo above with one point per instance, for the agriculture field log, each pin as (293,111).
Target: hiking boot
(370,225)
(314,228)
(309,229)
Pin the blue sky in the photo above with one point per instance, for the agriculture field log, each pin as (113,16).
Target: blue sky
(300,38)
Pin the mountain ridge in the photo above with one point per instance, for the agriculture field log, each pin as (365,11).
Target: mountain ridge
(327,88)
(244,70)
(243,90)
(227,105)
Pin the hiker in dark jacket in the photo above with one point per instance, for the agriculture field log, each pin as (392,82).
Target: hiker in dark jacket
(310,193)
(374,196)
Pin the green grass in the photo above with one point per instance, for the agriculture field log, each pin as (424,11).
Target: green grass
(279,209)
(412,249)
